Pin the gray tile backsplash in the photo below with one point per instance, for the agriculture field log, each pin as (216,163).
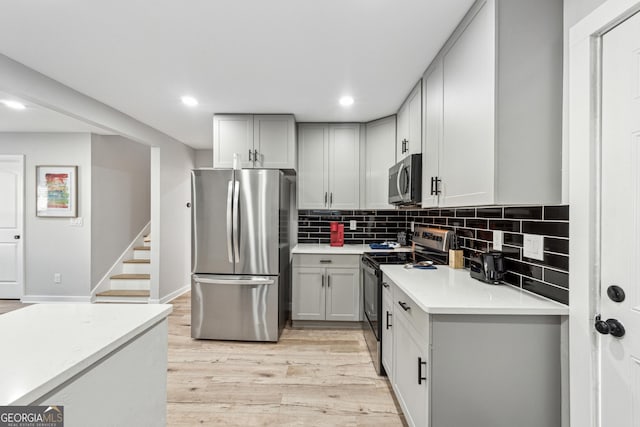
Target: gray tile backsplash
(474,228)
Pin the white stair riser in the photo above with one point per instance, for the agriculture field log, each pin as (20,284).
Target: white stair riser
(141,254)
(134,268)
(133,300)
(131,284)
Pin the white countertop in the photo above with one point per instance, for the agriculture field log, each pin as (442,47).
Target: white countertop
(450,291)
(44,345)
(325,249)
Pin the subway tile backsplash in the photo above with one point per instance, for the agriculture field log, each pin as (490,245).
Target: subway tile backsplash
(474,228)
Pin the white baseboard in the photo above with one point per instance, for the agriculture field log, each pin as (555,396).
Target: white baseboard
(105,283)
(48,299)
(173,295)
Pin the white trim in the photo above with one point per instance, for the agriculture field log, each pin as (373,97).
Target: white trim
(156,208)
(173,295)
(22,226)
(36,299)
(584,199)
(117,267)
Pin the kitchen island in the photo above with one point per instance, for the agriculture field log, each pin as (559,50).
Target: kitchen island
(106,364)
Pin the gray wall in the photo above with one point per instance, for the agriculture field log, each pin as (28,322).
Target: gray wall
(52,245)
(204,159)
(120,204)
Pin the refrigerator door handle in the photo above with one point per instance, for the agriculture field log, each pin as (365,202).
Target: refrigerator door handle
(229,195)
(236,243)
(256,281)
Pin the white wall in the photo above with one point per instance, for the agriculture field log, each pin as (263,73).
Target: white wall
(176,161)
(573,11)
(204,159)
(52,245)
(120,202)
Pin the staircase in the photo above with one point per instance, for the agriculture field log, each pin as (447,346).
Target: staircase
(133,284)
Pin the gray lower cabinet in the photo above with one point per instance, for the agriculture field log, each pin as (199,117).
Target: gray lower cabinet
(480,370)
(326,288)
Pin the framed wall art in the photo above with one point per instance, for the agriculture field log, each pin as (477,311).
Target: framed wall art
(57,191)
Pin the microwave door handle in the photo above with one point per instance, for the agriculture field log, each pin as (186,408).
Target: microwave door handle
(229,215)
(406,181)
(398,182)
(236,214)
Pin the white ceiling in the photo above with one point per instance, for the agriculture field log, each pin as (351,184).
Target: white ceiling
(248,56)
(35,118)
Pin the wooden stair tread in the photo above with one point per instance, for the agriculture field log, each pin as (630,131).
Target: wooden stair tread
(142,248)
(137,261)
(131,277)
(123,293)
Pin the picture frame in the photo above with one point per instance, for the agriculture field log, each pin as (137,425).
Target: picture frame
(57,191)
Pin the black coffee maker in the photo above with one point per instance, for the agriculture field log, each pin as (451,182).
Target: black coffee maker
(488,267)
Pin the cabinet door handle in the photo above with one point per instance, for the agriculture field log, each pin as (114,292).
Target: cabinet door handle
(331,199)
(404,306)
(420,377)
(322,281)
(325,198)
(406,145)
(385,284)
(250,154)
(436,181)
(328,280)
(255,155)
(432,192)
(388,316)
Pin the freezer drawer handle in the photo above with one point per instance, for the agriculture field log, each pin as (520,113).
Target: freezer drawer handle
(235,282)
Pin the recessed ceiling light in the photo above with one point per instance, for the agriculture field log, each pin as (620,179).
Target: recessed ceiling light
(13,104)
(189,101)
(345,101)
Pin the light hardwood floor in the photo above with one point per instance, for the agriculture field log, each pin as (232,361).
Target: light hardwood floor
(7,305)
(309,378)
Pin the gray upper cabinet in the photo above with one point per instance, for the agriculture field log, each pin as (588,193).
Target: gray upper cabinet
(493,108)
(409,131)
(379,156)
(329,166)
(261,141)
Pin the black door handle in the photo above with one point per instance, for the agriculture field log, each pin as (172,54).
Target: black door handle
(616,293)
(188,204)
(17,237)
(609,326)
(420,363)
(388,324)
(404,306)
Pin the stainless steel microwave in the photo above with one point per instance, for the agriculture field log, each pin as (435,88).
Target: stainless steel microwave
(405,181)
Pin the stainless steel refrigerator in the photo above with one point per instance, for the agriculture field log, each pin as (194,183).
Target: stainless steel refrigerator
(240,283)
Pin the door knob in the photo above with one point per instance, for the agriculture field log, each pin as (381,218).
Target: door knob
(609,326)
(188,204)
(17,237)
(616,293)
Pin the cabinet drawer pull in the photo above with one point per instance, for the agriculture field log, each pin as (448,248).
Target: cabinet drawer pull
(385,284)
(420,377)
(388,316)
(325,261)
(404,306)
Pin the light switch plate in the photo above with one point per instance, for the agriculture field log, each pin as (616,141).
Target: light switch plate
(533,246)
(76,222)
(352,224)
(497,240)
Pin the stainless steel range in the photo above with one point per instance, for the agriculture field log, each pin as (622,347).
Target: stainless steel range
(431,244)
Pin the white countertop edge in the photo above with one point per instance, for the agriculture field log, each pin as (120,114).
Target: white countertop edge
(87,362)
(553,307)
(326,249)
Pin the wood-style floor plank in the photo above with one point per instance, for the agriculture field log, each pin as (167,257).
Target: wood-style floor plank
(311,377)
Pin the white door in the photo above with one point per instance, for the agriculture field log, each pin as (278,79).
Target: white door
(620,249)
(344,166)
(343,294)
(379,156)
(313,182)
(308,293)
(11,226)
(432,134)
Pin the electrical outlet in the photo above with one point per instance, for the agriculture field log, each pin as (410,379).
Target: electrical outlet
(497,240)
(57,278)
(352,224)
(413,226)
(76,222)
(533,246)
